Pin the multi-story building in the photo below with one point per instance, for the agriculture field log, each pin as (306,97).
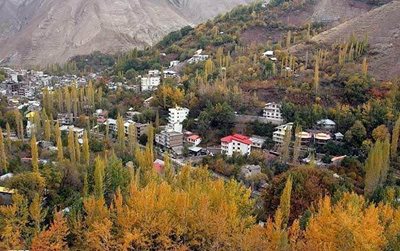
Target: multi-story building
(272,112)
(169,139)
(279,135)
(176,116)
(236,143)
(150,83)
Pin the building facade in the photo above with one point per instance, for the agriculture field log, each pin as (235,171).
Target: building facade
(236,143)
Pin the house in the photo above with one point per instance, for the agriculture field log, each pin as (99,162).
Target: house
(339,136)
(272,112)
(257,142)
(305,137)
(236,143)
(65,118)
(198,57)
(268,54)
(6,196)
(78,131)
(279,135)
(150,83)
(169,139)
(170,74)
(173,63)
(322,138)
(326,124)
(193,139)
(175,118)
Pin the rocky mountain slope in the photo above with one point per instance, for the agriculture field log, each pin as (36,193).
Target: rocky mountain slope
(382,26)
(52,31)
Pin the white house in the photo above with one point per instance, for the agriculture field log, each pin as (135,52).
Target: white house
(326,124)
(193,139)
(279,135)
(150,83)
(268,54)
(272,112)
(170,74)
(197,58)
(236,143)
(173,63)
(176,116)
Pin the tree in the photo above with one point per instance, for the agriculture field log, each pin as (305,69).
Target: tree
(3,156)
(47,130)
(377,166)
(380,133)
(316,75)
(60,149)
(77,150)
(395,139)
(121,132)
(36,214)
(99,167)
(85,149)
(356,134)
(297,145)
(71,145)
(285,147)
(364,67)
(132,138)
(284,204)
(35,155)
(54,238)
(8,130)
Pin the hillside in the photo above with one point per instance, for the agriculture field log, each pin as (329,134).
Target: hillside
(382,27)
(52,31)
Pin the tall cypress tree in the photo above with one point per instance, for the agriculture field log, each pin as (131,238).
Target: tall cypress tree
(35,155)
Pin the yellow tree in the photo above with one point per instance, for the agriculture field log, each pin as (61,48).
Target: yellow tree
(120,132)
(60,149)
(297,145)
(71,145)
(8,130)
(86,149)
(99,168)
(316,74)
(35,155)
(77,150)
(47,130)
(132,138)
(284,204)
(3,155)
(395,139)
(54,238)
(364,66)
(36,214)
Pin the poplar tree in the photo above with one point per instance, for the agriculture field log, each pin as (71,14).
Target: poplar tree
(85,148)
(316,75)
(284,204)
(288,39)
(132,138)
(35,155)
(60,150)
(395,139)
(47,130)
(364,67)
(120,132)
(71,145)
(3,156)
(77,150)
(99,178)
(36,214)
(285,148)
(297,145)
(8,130)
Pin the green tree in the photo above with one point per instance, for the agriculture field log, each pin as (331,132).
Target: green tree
(71,145)
(395,139)
(284,204)
(85,149)
(3,155)
(99,167)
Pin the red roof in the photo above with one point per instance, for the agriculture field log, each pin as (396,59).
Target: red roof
(194,137)
(237,137)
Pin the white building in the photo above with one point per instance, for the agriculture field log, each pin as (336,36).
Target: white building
(257,142)
(236,143)
(272,112)
(176,116)
(193,139)
(268,54)
(279,135)
(326,124)
(173,63)
(150,83)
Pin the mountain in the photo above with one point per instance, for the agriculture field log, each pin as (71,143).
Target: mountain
(382,26)
(52,31)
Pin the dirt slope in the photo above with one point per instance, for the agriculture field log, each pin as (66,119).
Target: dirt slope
(52,31)
(383,28)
